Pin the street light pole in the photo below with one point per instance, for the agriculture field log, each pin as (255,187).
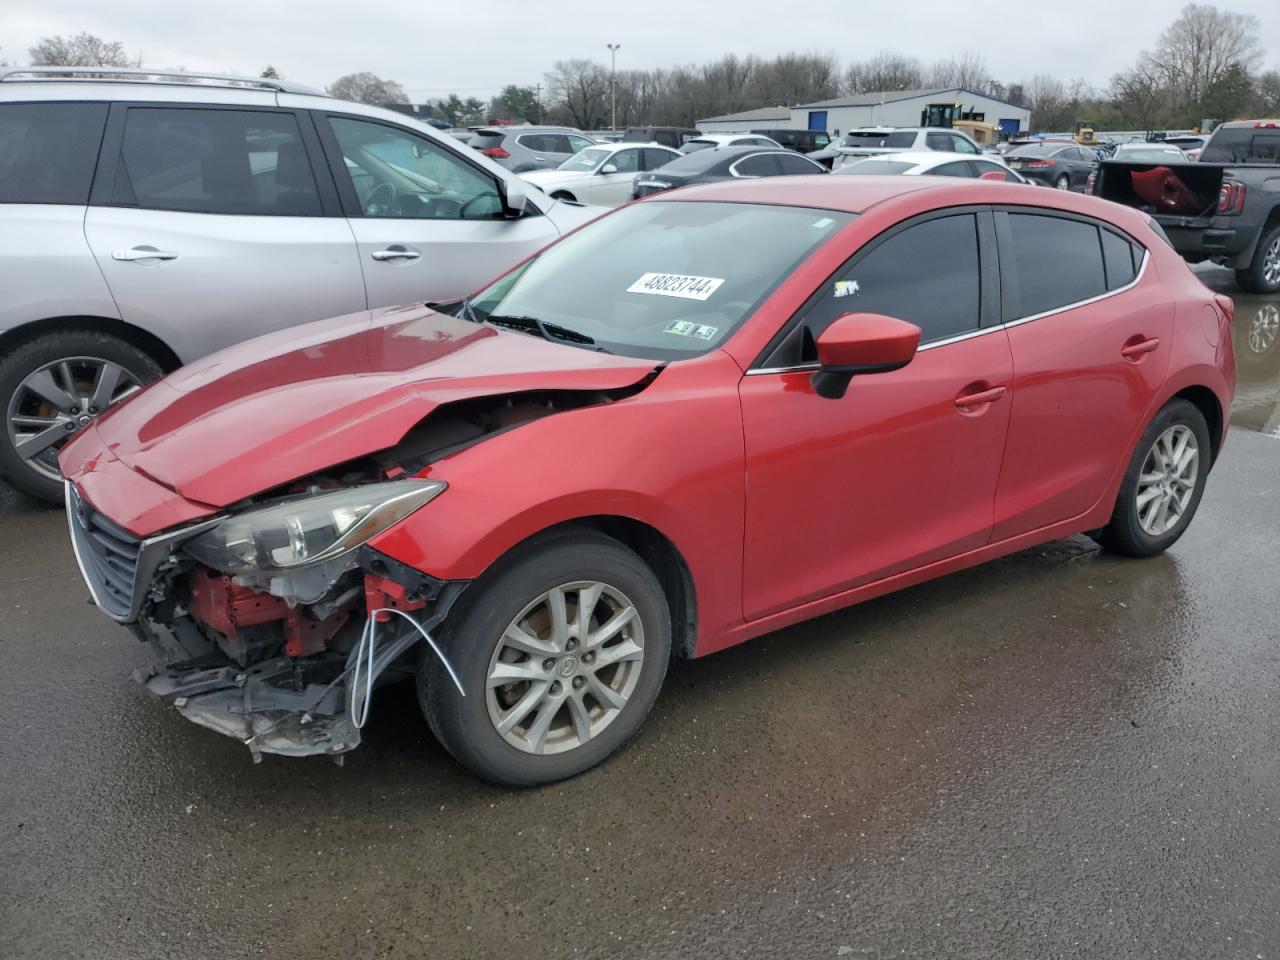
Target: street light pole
(613,84)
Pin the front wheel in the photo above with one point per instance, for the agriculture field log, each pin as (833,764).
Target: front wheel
(1262,275)
(1163,485)
(561,650)
(54,386)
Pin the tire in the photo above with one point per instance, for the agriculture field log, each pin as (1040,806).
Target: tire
(1262,275)
(27,414)
(1063,182)
(1128,533)
(475,638)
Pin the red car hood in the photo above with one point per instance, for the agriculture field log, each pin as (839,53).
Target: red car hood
(291,403)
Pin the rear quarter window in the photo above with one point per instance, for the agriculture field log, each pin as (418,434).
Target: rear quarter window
(1058,262)
(48,151)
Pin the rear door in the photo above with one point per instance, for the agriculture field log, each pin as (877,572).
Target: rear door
(211,226)
(428,223)
(1090,350)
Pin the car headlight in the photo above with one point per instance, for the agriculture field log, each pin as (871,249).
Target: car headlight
(309,530)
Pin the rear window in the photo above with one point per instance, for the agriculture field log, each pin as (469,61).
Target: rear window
(876,167)
(1243,145)
(865,138)
(1035,150)
(484,139)
(693,146)
(1058,262)
(48,151)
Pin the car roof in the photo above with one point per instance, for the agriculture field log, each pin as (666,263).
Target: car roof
(928,157)
(859,194)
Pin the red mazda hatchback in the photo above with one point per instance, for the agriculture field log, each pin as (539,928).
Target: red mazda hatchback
(696,420)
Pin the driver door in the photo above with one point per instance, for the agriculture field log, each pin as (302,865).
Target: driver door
(428,223)
(611,189)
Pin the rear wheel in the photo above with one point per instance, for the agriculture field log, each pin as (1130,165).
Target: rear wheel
(561,651)
(1263,273)
(1064,182)
(1163,485)
(53,387)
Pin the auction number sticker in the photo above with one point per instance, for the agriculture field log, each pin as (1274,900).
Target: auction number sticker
(676,285)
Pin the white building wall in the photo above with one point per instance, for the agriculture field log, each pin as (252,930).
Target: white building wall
(906,113)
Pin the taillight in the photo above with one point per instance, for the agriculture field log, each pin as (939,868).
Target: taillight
(1231,197)
(1091,182)
(496,153)
(1038,163)
(1266,125)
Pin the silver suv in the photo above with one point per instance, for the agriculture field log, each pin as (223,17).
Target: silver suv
(525,148)
(878,141)
(148,219)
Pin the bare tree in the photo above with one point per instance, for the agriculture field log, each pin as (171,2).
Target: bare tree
(887,70)
(1199,48)
(82,50)
(580,91)
(367,88)
(1267,94)
(968,70)
(1140,94)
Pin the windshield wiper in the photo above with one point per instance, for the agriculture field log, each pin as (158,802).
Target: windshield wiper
(548,331)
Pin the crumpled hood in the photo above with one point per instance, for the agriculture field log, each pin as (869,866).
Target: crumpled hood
(291,403)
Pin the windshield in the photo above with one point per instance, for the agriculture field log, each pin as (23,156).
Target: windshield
(864,167)
(585,160)
(1036,150)
(661,279)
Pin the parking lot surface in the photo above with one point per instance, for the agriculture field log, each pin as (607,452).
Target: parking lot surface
(1060,754)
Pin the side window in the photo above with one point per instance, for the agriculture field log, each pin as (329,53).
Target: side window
(961,145)
(399,174)
(653,159)
(578,143)
(627,161)
(958,168)
(821,141)
(215,161)
(533,141)
(938,141)
(556,143)
(760,165)
(1058,261)
(986,166)
(927,275)
(48,151)
(1121,258)
(793,164)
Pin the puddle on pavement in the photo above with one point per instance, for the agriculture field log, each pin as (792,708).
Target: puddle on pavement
(1257,342)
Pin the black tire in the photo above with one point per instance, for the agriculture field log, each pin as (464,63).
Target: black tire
(26,358)
(1124,534)
(1252,279)
(471,634)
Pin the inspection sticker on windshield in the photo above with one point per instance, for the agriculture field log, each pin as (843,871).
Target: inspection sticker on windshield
(687,328)
(676,285)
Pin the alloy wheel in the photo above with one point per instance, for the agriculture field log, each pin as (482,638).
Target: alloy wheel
(1263,329)
(59,400)
(1168,479)
(1064,183)
(1271,263)
(565,667)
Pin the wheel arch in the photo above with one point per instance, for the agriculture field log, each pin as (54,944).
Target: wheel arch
(661,555)
(135,336)
(1206,401)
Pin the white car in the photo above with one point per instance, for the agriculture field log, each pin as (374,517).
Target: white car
(878,141)
(931,163)
(709,140)
(601,176)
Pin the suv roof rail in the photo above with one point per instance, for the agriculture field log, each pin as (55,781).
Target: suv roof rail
(148,75)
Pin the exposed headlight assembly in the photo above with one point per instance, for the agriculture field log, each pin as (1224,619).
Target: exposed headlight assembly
(300,533)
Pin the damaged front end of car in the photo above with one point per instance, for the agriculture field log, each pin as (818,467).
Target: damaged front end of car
(272,624)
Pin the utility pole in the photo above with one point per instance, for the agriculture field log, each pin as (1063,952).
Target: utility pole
(613,84)
(537,102)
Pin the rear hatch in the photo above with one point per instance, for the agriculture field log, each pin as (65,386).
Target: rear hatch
(1174,194)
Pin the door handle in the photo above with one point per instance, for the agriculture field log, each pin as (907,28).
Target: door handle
(396,252)
(990,395)
(143,252)
(1137,347)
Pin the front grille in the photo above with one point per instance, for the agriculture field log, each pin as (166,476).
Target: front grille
(108,556)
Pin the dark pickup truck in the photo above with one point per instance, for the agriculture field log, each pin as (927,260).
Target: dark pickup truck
(1224,207)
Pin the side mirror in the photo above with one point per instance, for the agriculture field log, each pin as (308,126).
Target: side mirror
(514,196)
(860,343)
(609,168)
(993,175)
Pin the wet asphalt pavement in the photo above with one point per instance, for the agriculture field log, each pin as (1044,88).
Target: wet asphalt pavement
(1061,754)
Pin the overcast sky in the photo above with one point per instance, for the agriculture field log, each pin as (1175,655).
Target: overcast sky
(473,48)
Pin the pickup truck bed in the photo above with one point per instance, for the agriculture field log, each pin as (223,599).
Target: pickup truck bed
(1226,213)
